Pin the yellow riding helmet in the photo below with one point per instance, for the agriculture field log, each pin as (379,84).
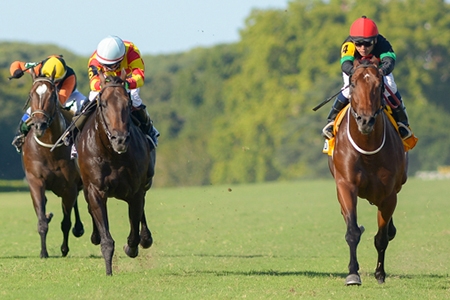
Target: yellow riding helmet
(54,63)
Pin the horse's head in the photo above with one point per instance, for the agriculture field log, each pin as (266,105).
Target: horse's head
(366,85)
(43,100)
(115,110)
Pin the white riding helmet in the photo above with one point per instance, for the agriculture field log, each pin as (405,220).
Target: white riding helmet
(110,50)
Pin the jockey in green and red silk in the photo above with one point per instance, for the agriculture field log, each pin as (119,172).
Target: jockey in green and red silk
(365,41)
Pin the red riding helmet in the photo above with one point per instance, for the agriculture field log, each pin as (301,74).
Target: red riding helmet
(363,30)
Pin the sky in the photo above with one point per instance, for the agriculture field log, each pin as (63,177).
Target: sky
(155,26)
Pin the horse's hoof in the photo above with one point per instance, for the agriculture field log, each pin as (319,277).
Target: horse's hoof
(146,243)
(353,279)
(49,217)
(380,276)
(131,252)
(362,229)
(64,251)
(78,232)
(95,239)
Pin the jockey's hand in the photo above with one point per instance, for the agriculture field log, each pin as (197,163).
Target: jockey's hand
(18,73)
(381,71)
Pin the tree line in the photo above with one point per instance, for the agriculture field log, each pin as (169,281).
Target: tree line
(242,112)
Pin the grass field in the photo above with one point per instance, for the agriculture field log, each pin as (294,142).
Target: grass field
(265,241)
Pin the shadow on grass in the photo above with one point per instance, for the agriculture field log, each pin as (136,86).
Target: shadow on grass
(50,257)
(310,274)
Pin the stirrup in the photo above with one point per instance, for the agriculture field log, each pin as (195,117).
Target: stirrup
(67,140)
(73,152)
(327,131)
(404,131)
(18,142)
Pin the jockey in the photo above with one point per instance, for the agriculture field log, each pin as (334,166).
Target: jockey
(65,82)
(112,56)
(364,40)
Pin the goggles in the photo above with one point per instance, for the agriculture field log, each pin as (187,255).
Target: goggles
(365,43)
(112,67)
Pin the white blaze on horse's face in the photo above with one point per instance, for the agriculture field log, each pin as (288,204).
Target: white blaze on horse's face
(41,90)
(367,76)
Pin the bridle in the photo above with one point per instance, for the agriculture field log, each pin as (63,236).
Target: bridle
(383,103)
(101,110)
(373,117)
(40,91)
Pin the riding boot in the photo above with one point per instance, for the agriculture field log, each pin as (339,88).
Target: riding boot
(339,103)
(22,131)
(401,117)
(79,118)
(146,124)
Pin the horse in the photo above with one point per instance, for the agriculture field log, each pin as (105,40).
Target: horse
(115,160)
(47,170)
(368,162)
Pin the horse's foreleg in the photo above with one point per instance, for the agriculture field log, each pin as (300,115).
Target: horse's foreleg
(146,235)
(347,199)
(78,228)
(386,231)
(98,211)
(135,213)
(68,201)
(37,192)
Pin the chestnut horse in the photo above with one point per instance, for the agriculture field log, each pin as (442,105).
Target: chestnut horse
(115,160)
(368,162)
(46,170)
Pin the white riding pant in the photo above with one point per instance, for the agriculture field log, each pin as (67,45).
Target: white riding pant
(75,101)
(134,94)
(388,80)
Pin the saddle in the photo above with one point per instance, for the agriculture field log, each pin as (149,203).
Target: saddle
(328,147)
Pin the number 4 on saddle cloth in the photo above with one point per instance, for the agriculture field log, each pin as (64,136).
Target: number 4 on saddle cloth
(328,148)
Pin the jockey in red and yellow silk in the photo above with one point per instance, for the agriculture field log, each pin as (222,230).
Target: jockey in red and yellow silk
(112,56)
(131,62)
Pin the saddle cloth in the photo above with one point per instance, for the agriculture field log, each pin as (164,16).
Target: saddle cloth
(328,146)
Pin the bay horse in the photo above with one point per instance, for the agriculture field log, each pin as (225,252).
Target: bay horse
(368,162)
(115,160)
(46,170)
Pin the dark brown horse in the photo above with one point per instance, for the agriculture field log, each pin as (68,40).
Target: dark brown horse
(115,160)
(368,162)
(46,170)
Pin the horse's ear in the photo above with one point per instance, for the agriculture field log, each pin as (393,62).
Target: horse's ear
(123,74)
(53,73)
(33,74)
(102,78)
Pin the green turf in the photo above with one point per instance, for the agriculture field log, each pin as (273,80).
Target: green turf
(265,241)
